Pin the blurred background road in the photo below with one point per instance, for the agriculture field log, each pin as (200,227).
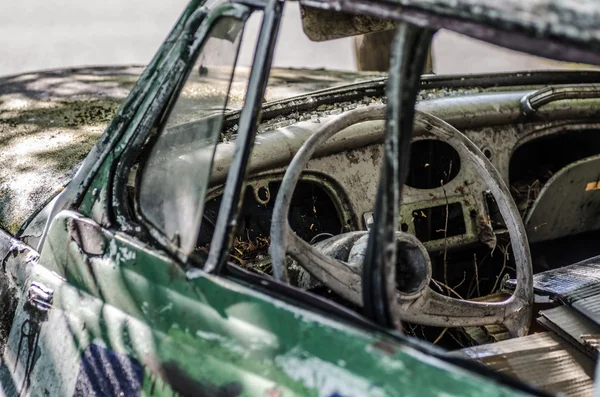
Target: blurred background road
(41,34)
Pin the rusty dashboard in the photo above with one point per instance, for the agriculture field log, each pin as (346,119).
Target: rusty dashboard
(445,203)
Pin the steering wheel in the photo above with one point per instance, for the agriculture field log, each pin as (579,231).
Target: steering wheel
(420,305)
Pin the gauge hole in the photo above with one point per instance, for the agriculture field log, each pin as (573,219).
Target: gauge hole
(433,163)
(263,194)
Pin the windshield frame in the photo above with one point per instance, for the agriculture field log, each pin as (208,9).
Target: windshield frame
(516,33)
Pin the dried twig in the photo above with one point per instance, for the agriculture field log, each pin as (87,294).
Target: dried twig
(440,336)
(446,233)
(413,329)
(438,283)
(456,340)
(463,280)
(476,273)
(242,262)
(505,252)
(529,187)
(410,329)
(477,287)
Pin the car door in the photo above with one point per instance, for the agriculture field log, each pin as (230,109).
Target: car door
(110,308)
(84,324)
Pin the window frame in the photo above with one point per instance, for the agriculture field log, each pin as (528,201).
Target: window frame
(129,218)
(161,125)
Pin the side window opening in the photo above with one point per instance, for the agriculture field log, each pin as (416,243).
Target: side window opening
(174,172)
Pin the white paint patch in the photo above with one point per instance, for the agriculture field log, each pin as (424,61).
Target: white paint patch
(327,379)
(385,360)
(120,254)
(209,335)
(223,341)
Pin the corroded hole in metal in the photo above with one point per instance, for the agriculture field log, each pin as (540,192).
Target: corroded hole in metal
(488,153)
(433,163)
(263,194)
(430,223)
(535,162)
(313,216)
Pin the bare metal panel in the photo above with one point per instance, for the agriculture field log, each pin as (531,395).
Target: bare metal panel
(568,203)
(573,327)
(542,359)
(590,306)
(570,283)
(576,285)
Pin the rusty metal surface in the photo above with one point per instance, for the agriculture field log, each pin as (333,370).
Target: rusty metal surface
(429,307)
(353,158)
(532,102)
(489,117)
(339,24)
(542,359)
(278,113)
(568,282)
(578,21)
(559,29)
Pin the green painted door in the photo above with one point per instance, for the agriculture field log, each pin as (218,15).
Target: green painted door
(109,308)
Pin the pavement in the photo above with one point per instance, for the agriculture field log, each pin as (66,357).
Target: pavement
(39,34)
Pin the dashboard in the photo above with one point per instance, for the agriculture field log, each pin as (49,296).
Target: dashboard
(445,202)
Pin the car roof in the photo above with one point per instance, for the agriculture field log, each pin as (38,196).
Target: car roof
(566,30)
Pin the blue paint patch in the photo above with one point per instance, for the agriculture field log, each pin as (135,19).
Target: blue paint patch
(105,373)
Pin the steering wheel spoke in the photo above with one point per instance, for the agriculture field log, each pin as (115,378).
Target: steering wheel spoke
(438,310)
(335,274)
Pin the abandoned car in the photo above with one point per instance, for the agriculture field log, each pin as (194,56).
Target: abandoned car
(275,232)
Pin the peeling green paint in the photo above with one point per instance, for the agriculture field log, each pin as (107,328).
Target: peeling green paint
(216,332)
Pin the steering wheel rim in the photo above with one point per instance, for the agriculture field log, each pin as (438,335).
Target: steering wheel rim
(430,307)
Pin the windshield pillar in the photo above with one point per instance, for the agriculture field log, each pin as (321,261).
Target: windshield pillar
(233,193)
(408,57)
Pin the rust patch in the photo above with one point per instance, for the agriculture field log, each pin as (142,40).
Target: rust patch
(186,386)
(353,156)
(592,186)
(385,347)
